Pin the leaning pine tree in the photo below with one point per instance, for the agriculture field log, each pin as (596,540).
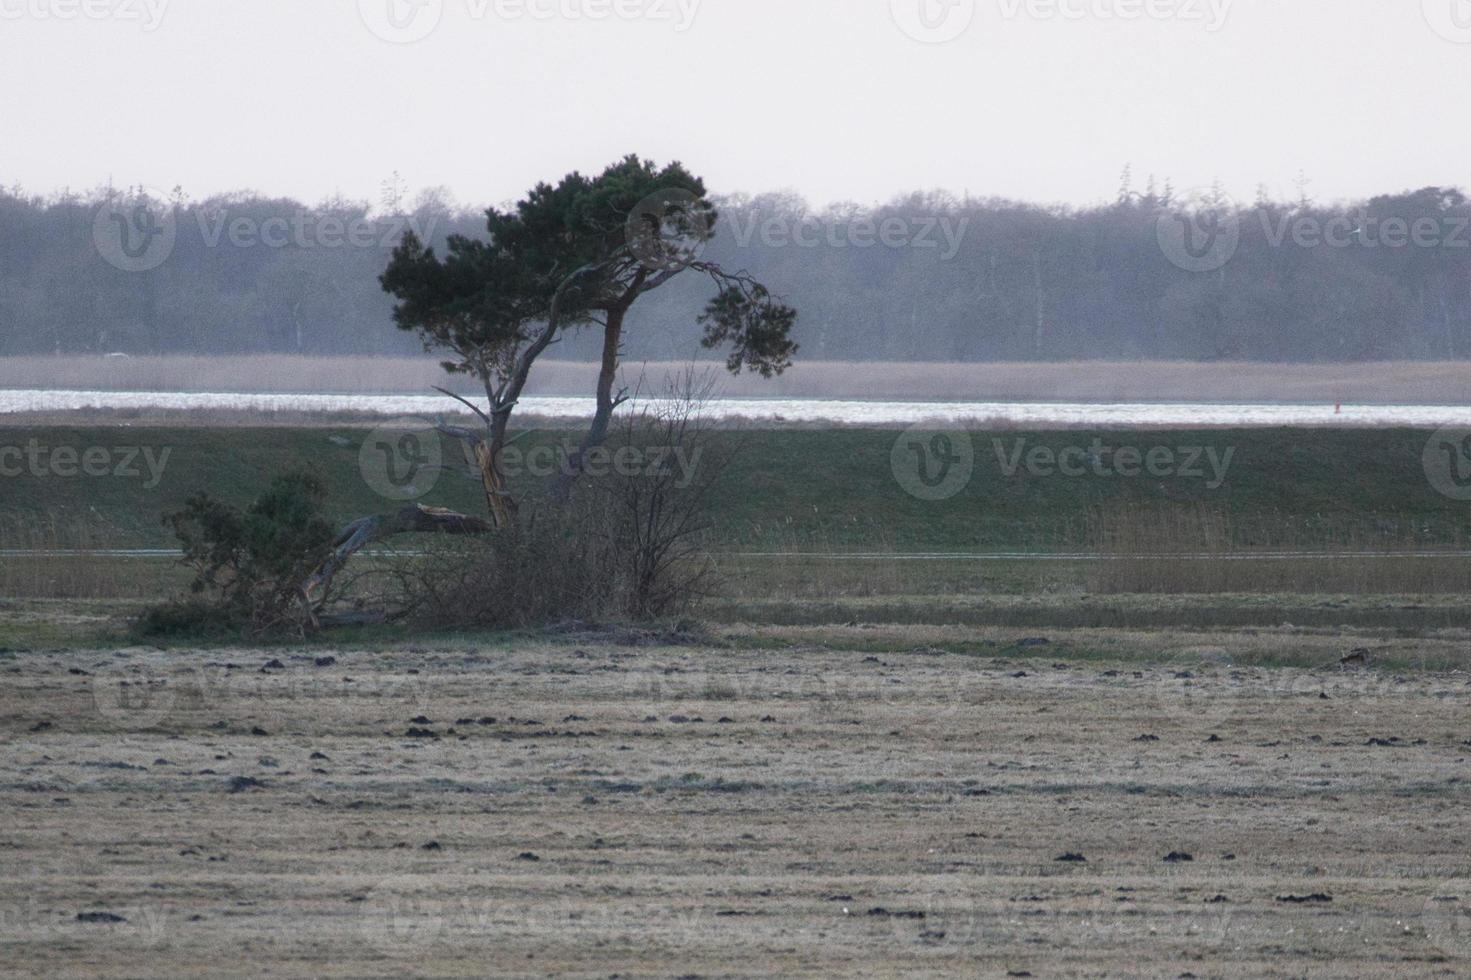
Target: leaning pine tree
(580,254)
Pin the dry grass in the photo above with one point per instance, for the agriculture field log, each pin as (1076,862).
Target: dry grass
(1173,549)
(729,812)
(1390,382)
(68,565)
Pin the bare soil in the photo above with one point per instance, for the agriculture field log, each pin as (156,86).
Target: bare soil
(644,811)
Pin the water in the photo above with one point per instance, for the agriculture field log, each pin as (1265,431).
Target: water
(1033,414)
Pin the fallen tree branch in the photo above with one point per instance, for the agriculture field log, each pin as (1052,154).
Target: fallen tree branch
(413,519)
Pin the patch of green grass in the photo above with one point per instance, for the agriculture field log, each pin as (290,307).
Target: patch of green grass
(816,489)
(837,489)
(797,496)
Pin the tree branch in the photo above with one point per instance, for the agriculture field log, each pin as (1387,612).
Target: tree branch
(415,518)
(466,402)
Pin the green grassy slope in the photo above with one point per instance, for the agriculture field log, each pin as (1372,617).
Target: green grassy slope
(820,489)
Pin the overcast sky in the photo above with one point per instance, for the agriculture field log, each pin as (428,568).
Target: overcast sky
(1044,100)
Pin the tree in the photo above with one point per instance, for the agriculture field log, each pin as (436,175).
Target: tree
(576,255)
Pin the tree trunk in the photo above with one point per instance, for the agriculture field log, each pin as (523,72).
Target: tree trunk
(498,499)
(607,377)
(607,402)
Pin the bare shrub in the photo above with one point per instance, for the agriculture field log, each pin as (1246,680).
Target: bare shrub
(659,507)
(628,542)
(549,566)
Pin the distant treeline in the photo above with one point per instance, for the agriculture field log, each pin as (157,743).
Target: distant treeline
(925,278)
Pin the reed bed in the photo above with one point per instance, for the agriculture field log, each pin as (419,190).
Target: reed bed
(1183,550)
(64,558)
(1400,382)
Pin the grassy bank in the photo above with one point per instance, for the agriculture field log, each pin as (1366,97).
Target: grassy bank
(819,490)
(1328,529)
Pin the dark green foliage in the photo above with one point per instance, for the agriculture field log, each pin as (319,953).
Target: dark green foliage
(590,238)
(187,619)
(758,333)
(469,301)
(249,565)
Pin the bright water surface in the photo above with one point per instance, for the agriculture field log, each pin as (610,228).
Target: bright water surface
(789,410)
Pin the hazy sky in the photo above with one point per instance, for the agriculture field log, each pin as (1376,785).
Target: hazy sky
(834,99)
